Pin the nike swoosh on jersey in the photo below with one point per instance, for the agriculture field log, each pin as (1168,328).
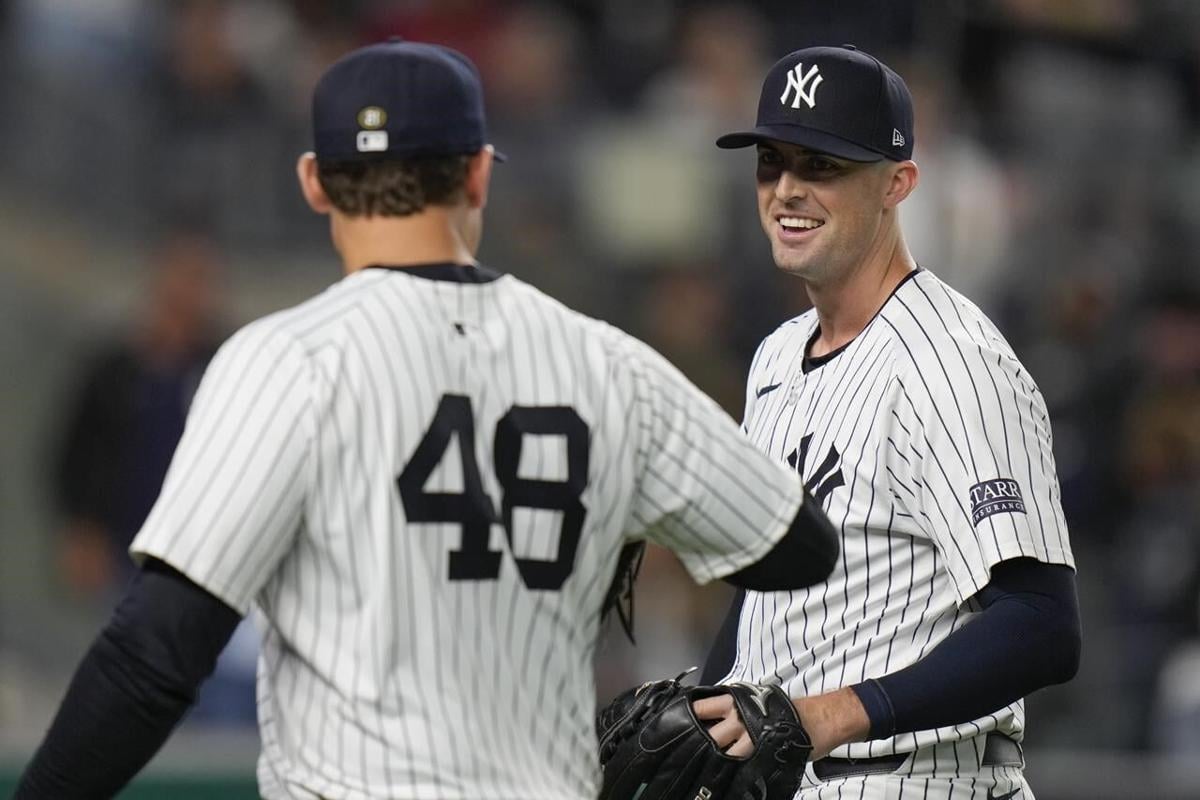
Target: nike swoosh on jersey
(1008,796)
(768,388)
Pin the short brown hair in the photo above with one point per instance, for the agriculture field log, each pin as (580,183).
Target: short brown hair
(394,188)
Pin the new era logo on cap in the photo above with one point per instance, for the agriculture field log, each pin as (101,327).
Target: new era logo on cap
(835,100)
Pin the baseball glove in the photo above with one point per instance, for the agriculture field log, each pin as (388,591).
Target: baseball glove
(653,747)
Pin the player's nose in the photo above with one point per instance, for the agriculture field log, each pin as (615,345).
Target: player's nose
(789,187)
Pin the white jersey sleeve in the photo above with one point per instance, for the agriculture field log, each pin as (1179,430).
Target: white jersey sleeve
(703,490)
(233,497)
(970,451)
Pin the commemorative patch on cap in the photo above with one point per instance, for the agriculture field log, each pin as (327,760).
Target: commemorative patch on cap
(997,496)
(372,118)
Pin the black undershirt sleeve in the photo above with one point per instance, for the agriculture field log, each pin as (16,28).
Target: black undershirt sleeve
(133,686)
(804,556)
(724,649)
(1027,636)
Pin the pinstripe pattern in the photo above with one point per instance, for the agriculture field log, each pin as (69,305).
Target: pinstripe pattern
(380,676)
(924,404)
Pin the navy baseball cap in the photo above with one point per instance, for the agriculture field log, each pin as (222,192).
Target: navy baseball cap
(835,100)
(397,100)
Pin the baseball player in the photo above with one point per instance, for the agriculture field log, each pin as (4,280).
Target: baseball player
(424,478)
(909,418)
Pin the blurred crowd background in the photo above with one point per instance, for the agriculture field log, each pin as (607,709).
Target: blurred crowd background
(148,207)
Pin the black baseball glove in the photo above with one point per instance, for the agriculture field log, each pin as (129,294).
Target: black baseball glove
(653,747)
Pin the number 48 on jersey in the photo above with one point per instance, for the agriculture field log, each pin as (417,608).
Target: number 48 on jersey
(474,510)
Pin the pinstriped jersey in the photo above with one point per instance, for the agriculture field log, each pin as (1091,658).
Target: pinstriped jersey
(929,447)
(423,477)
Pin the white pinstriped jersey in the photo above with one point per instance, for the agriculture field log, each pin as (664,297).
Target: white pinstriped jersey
(928,445)
(423,478)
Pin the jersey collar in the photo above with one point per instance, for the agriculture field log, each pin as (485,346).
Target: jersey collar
(809,363)
(447,271)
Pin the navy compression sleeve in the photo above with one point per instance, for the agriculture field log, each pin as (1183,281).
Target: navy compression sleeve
(1027,636)
(132,688)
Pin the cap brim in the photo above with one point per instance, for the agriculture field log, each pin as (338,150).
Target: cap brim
(820,141)
(498,156)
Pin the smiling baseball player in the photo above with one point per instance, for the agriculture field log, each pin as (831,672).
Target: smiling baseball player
(911,420)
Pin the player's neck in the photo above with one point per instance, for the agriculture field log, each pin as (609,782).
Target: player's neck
(429,237)
(845,307)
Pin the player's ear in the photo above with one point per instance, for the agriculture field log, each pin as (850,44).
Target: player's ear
(479,176)
(903,178)
(310,184)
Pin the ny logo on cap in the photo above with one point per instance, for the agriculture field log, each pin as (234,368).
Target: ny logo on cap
(804,84)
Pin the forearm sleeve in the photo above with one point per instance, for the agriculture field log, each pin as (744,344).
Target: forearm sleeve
(1026,637)
(133,686)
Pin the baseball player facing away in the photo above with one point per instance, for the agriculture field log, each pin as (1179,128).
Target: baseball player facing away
(423,477)
(909,418)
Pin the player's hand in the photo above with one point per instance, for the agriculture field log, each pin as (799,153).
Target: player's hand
(666,741)
(727,729)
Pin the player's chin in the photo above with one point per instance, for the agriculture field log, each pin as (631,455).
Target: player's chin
(791,262)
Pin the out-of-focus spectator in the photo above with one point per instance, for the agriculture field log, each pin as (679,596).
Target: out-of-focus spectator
(655,189)
(1084,230)
(284,46)
(646,198)
(465,25)
(287,45)
(128,410)
(1069,146)
(685,310)
(885,28)
(214,140)
(1078,16)
(74,68)
(959,224)
(122,426)
(1157,569)
(1175,728)
(539,105)
(712,84)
